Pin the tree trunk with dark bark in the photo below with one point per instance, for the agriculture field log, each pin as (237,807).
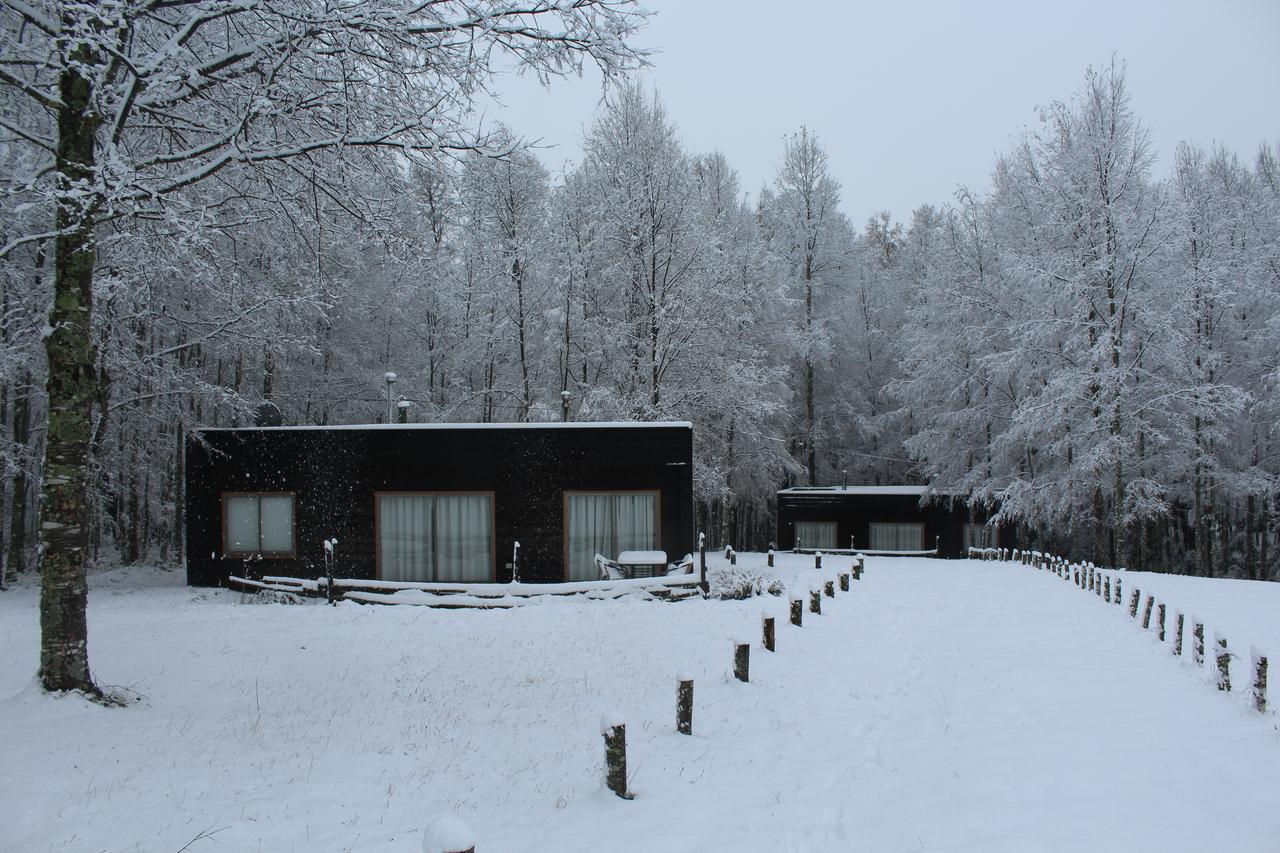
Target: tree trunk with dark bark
(64,507)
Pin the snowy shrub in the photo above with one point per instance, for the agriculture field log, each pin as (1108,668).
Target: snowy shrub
(736,583)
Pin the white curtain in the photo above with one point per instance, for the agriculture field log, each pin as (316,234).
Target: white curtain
(816,534)
(608,524)
(276,514)
(896,537)
(463,538)
(404,537)
(242,523)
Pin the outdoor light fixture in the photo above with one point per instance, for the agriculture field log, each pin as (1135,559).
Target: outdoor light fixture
(391,403)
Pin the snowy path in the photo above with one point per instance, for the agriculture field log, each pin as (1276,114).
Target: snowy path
(945,706)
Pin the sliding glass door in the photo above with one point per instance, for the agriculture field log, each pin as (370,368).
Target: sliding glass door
(607,523)
(886,536)
(816,534)
(430,537)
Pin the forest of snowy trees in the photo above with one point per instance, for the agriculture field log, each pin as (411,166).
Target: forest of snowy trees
(1087,345)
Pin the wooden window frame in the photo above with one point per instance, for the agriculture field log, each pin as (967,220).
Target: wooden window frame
(564,510)
(257,553)
(493,527)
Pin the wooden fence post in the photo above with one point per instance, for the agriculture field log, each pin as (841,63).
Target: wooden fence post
(1146,612)
(741,661)
(768,634)
(1177,635)
(844,581)
(1106,592)
(829,589)
(1160,622)
(1259,681)
(733,557)
(1119,597)
(1133,603)
(861,565)
(817,559)
(615,754)
(1224,662)
(797,611)
(815,601)
(684,705)
(1197,644)
(771,558)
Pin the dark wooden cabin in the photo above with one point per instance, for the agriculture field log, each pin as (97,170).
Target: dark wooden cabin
(435,502)
(879,518)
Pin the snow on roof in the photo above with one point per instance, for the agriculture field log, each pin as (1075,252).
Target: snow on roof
(540,425)
(855,490)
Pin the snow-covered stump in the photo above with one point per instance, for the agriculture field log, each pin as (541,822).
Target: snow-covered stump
(1197,644)
(742,661)
(1133,603)
(1160,622)
(817,560)
(615,754)
(797,611)
(768,635)
(448,834)
(844,581)
(1259,681)
(771,558)
(684,705)
(815,601)
(1224,661)
(1146,612)
(829,589)
(1177,635)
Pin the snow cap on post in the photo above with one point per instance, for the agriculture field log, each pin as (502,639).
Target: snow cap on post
(448,834)
(610,720)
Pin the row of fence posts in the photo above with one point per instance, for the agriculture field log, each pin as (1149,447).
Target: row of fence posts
(1090,578)
(614,730)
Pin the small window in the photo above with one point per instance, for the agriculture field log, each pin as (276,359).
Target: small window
(887,536)
(820,535)
(260,523)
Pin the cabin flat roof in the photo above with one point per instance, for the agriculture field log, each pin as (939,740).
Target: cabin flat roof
(855,490)
(462,426)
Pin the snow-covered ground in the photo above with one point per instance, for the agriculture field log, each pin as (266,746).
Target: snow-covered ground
(941,705)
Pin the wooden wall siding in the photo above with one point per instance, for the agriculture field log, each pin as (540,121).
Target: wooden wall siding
(853,514)
(334,474)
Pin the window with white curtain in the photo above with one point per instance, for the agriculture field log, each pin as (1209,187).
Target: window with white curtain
(896,537)
(607,523)
(260,523)
(816,534)
(978,536)
(436,538)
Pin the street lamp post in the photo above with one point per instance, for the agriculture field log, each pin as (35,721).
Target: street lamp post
(390,379)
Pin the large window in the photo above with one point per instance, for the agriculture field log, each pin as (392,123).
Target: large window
(257,524)
(896,537)
(816,534)
(435,537)
(607,523)
(979,536)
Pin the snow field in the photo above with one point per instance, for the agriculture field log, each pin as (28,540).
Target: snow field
(940,705)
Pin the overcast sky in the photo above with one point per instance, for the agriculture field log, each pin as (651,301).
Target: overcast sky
(912,99)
